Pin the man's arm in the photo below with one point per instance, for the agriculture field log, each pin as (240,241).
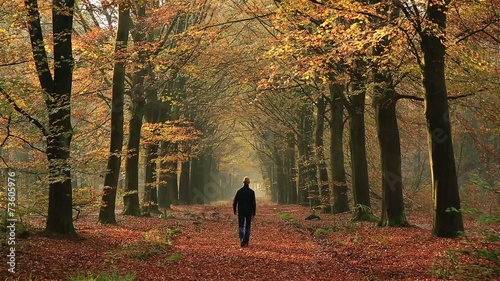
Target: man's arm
(254,204)
(235,202)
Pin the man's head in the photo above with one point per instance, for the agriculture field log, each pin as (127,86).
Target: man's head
(246,180)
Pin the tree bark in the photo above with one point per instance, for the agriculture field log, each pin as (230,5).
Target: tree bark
(280,168)
(150,198)
(137,108)
(448,220)
(360,184)
(340,202)
(107,209)
(184,183)
(58,103)
(384,103)
(167,186)
(292,192)
(321,167)
(197,170)
(390,155)
(308,188)
(152,116)
(131,197)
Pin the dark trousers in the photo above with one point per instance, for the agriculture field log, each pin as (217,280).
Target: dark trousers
(244,224)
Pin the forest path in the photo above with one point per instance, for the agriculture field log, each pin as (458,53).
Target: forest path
(277,250)
(200,242)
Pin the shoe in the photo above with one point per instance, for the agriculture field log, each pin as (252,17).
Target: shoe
(242,243)
(245,243)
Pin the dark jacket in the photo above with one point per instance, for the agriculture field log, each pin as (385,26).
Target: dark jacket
(245,200)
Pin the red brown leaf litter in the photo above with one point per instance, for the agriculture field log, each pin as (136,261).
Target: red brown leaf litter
(205,246)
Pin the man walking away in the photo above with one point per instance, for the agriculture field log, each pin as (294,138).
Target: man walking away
(245,201)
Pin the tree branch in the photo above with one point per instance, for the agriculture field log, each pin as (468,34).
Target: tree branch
(14,63)
(38,48)
(237,21)
(24,113)
(409,97)
(422,99)
(468,33)
(8,130)
(459,96)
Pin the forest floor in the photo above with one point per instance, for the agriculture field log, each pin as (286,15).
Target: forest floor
(199,242)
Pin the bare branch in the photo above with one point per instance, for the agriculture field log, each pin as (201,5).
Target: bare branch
(14,63)
(422,99)
(24,113)
(237,21)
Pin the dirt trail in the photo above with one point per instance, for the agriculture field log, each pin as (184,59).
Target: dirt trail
(277,251)
(205,246)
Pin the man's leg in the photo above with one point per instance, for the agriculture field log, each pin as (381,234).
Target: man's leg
(241,224)
(248,225)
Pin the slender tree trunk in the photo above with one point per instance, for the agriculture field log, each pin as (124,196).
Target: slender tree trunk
(302,176)
(280,178)
(184,183)
(167,186)
(137,109)
(171,176)
(150,198)
(151,116)
(272,186)
(197,170)
(292,194)
(58,103)
(308,187)
(390,155)
(448,220)
(384,102)
(340,200)
(360,184)
(168,176)
(321,167)
(107,209)
(131,197)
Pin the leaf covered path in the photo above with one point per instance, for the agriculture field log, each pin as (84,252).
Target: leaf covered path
(201,243)
(277,251)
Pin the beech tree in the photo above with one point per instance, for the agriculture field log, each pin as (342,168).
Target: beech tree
(107,209)
(431,28)
(385,98)
(56,86)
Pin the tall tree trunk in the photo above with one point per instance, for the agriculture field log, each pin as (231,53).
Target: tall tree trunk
(151,116)
(340,202)
(360,184)
(321,167)
(172,187)
(292,194)
(212,189)
(150,198)
(384,102)
(131,197)
(280,178)
(137,108)
(184,183)
(272,181)
(58,103)
(390,156)
(167,186)
(107,209)
(148,206)
(308,188)
(448,220)
(197,170)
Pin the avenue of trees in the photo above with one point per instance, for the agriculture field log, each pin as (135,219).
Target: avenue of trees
(347,105)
